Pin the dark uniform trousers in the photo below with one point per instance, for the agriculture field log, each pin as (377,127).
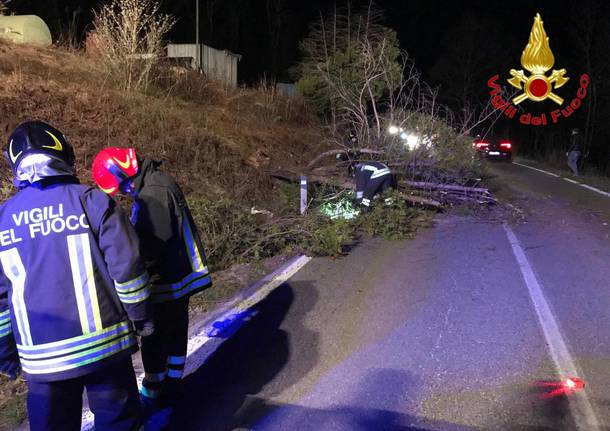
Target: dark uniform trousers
(112,392)
(164,352)
(377,186)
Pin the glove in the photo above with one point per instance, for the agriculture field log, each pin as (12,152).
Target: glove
(10,367)
(144,328)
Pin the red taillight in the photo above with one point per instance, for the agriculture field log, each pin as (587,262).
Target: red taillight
(506,145)
(482,144)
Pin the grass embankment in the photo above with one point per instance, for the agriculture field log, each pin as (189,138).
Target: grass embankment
(217,142)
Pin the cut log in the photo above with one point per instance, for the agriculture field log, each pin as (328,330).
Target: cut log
(347,184)
(434,186)
(346,151)
(323,179)
(418,200)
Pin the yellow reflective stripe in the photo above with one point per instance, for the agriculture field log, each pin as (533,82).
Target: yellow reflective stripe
(193,250)
(78,283)
(14,270)
(97,339)
(132,285)
(133,298)
(124,343)
(5,317)
(81,263)
(97,318)
(56,344)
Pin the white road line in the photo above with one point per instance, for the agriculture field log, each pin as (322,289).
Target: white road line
(201,346)
(596,190)
(571,181)
(586,186)
(197,355)
(580,407)
(536,169)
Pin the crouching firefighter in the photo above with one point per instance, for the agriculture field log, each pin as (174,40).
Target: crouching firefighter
(72,289)
(372,179)
(174,257)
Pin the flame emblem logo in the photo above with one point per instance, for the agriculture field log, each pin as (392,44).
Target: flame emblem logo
(537,58)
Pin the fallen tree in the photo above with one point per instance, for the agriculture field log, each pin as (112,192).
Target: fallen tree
(291,176)
(434,186)
(349,152)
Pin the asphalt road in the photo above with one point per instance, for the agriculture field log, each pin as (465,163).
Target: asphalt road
(435,333)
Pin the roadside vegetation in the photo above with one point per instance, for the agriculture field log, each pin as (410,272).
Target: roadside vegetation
(224,144)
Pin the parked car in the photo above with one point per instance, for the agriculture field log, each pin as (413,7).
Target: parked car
(493,147)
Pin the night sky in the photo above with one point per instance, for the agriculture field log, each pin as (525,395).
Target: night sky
(438,35)
(422,26)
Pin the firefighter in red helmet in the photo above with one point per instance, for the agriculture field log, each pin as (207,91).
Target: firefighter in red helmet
(174,257)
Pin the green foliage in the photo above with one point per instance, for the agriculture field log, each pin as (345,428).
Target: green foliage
(327,237)
(290,196)
(345,55)
(393,221)
(232,235)
(226,228)
(443,150)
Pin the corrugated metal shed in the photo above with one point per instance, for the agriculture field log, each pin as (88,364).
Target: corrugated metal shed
(218,65)
(25,29)
(286,89)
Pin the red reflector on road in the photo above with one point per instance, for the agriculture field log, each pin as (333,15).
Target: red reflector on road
(553,389)
(574,384)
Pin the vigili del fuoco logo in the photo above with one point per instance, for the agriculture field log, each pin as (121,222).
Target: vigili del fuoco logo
(537,86)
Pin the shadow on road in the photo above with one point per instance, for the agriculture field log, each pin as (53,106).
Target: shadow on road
(254,355)
(380,393)
(274,350)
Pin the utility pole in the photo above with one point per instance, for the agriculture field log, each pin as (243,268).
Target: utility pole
(197,35)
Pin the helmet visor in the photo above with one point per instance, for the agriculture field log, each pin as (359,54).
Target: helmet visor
(35,167)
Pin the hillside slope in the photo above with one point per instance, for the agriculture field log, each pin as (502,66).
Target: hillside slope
(217,142)
(212,139)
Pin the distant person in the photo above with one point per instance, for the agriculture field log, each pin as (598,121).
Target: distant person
(73,290)
(174,257)
(575,151)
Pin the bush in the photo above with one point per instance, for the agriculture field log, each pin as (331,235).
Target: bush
(327,237)
(226,228)
(232,235)
(129,38)
(394,221)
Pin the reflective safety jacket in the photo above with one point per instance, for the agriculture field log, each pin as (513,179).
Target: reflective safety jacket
(170,243)
(372,178)
(71,279)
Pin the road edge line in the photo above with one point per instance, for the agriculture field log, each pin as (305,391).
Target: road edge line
(580,406)
(196,354)
(586,186)
(536,169)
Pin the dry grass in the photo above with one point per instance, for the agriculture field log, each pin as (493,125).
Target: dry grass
(209,137)
(217,142)
(12,403)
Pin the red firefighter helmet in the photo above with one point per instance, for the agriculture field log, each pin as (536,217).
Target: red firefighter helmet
(113,166)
